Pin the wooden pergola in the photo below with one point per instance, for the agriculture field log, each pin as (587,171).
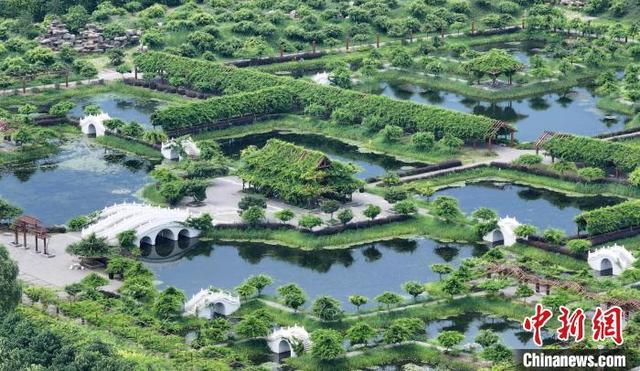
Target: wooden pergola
(498,128)
(5,130)
(547,135)
(27,224)
(628,306)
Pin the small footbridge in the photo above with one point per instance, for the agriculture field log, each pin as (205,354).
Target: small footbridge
(610,260)
(286,339)
(504,233)
(94,124)
(209,302)
(150,223)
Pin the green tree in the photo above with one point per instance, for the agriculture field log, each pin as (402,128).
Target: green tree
(494,63)
(525,230)
(329,207)
(292,295)
(524,291)
(453,286)
(169,303)
(252,327)
(591,173)
(564,166)
(326,308)
(360,333)
(484,214)
(405,207)
(345,216)
(284,215)
(634,178)
(446,208)
(441,268)
(340,77)
(327,344)
(91,246)
(451,142)
(486,338)
(358,301)
(154,136)
(10,288)
(126,239)
(450,339)
(371,211)
(8,211)
(94,280)
(579,246)
(252,200)
(253,215)
(246,290)
(493,285)
(423,140)
(389,298)
(413,288)
(309,221)
(553,235)
(76,17)
(260,281)
(61,109)
(203,223)
(213,332)
(392,133)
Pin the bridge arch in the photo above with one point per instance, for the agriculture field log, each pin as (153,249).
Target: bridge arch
(166,234)
(611,260)
(284,346)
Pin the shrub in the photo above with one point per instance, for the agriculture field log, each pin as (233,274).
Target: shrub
(591,173)
(392,133)
(78,222)
(423,140)
(579,246)
(395,194)
(528,159)
(406,207)
(553,235)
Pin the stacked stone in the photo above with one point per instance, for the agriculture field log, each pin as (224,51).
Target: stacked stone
(90,38)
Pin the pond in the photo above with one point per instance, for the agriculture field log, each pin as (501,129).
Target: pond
(123,107)
(521,50)
(511,333)
(574,113)
(365,270)
(368,164)
(78,180)
(540,207)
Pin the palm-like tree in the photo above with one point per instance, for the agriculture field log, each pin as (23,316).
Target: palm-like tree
(154,136)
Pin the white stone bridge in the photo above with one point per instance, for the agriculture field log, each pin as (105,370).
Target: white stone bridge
(149,222)
(283,340)
(209,302)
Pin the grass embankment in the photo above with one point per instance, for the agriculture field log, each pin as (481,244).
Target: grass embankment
(539,255)
(520,177)
(420,225)
(151,195)
(26,154)
(355,135)
(469,91)
(48,97)
(610,104)
(129,146)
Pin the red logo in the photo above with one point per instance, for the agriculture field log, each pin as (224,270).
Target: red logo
(536,322)
(608,325)
(572,324)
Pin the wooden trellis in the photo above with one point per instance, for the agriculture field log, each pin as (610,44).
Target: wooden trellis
(494,131)
(547,135)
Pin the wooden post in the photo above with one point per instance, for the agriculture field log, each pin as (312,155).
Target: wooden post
(512,138)
(346,43)
(523,23)
(16,234)
(410,36)
(66,79)
(313,45)
(135,72)
(36,238)
(377,40)
(473,27)
(24,237)
(46,252)
(24,85)
(281,51)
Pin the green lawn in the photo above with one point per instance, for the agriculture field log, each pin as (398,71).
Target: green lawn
(129,146)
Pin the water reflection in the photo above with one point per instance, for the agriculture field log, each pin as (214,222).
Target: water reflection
(369,164)
(540,207)
(80,179)
(124,107)
(573,112)
(511,333)
(366,270)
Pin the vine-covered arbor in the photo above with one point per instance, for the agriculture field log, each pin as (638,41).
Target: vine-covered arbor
(297,175)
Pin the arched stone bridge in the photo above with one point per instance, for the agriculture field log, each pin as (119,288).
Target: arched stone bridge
(284,339)
(150,223)
(94,124)
(209,302)
(610,260)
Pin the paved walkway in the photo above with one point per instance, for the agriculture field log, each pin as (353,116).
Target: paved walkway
(52,272)
(225,193)
(504,154)
(105,76)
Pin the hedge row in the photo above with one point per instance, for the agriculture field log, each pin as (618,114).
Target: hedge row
(278,99)
(213,77)
(594,152)
(610,218)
